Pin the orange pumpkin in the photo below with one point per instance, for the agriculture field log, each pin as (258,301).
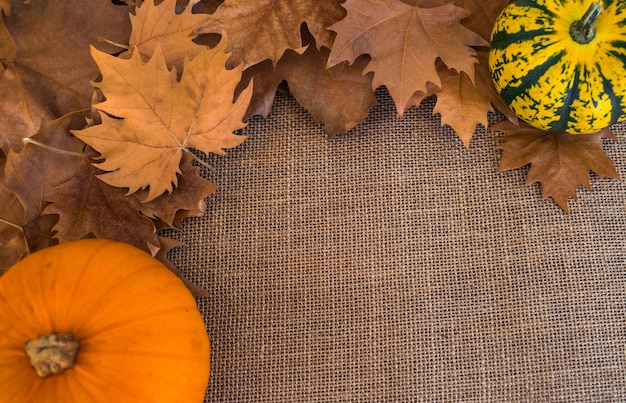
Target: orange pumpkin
(134,327)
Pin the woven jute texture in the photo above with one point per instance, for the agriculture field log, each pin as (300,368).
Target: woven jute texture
(392,264)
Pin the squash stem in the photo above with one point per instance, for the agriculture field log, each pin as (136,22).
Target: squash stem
(52,353)
(584,30)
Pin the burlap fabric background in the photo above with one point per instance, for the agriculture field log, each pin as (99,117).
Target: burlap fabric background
(394,265)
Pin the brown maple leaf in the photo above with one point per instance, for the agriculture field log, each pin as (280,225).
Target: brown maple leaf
(21,234)
(461,105)
(5,7)
(265,29)
(28,178)
(49,158)
(87,207)
(13,243)
(158,118)
(404,43)
(464,104)
(186,200)
(340,96)
(559,161)
(167,244)
(49,72)
(173,32)
(483,15)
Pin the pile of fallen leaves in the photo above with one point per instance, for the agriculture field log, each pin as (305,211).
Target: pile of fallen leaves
(106,104)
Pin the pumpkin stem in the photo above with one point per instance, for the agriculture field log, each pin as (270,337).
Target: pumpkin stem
(584,30)
(52,353)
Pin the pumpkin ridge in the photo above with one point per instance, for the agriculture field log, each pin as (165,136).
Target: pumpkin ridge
(146,316)
(86,376)
(533,4)
(510,93)
(96,305)
(501,40)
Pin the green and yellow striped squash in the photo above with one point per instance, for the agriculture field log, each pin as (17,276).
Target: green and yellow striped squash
(561,64)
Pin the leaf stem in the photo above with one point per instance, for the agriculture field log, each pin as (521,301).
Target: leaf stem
(11,224)
(200,161)
(50,148)
(119,45)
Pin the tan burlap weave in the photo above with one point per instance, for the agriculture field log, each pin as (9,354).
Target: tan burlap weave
(394,265)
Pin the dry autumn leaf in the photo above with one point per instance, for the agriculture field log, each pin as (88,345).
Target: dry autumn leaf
(87,206)
(559,161)
(340,96)
(50,71)
(167,244)
(404,43)
(158,118)
(265,29)
(460,104)
(464,104)
(160,25)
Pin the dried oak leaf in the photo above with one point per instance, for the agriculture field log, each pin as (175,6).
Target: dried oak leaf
(157,118)
(265,82)
(483,15)
(265,29)
(173,32)
(50,71)
(404,43)
(559,161)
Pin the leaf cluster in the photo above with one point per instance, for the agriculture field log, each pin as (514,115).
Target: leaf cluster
(119,103)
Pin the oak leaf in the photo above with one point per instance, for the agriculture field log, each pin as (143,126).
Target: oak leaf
(173,32)
(50,70)
(404,43)
(483,15)
(265,29)
(559,161)
(151,118)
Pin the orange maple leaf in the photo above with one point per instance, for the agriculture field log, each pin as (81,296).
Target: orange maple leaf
(160,24)
(404,42)
(161,117)
(559,161)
